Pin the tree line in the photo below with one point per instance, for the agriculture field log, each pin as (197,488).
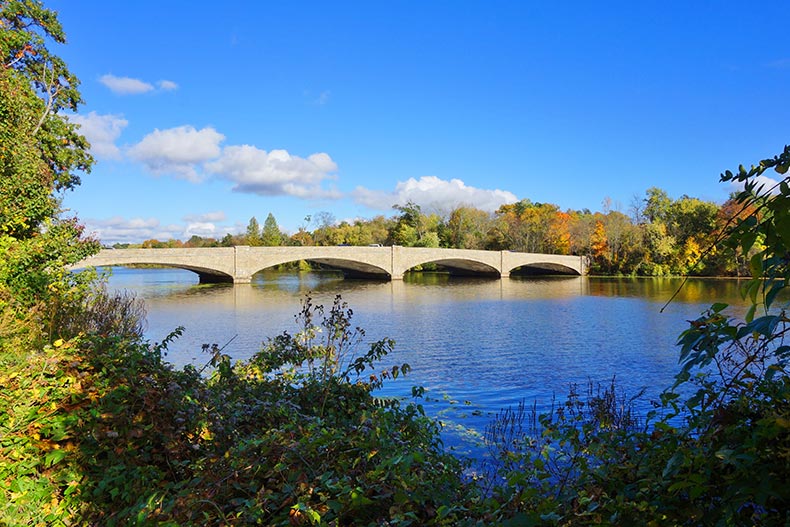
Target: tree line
(659,236)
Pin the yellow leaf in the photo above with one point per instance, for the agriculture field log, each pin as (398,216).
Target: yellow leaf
(58,343)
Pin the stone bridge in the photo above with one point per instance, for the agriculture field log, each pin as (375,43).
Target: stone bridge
(238,264)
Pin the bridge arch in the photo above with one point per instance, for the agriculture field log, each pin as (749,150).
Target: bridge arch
(218,268)
(544,268)
(374,262)
(466,267)
(205,275)
(485,263)
(351,268)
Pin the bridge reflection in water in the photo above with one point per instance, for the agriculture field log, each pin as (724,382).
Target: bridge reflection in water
(238,264)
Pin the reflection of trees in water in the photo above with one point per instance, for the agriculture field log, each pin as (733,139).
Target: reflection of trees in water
(694,290)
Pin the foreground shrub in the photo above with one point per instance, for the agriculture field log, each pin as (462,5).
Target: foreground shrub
(717,449)
(109,434)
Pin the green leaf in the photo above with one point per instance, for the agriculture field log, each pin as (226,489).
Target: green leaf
(673,465)
(763,325)
(54,456)
(776,287)
(750,314)
(782,224)
(756,265)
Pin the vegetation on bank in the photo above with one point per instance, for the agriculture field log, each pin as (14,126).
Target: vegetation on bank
(97,429)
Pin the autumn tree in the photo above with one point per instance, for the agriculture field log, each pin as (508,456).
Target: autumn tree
(599,246)
(302,237)
(322,233)
(534,227)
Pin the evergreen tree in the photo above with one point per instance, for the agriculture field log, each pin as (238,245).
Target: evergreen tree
(253,236)
(271,235)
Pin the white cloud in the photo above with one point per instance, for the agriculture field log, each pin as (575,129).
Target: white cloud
(135,230)
(166,85)
(203,229)
(101,131)
(132,86)
(125,85)
(275,173)
(206,217)
(178,151)
(431,191)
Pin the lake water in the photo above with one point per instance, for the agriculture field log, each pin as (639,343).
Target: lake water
(475,345)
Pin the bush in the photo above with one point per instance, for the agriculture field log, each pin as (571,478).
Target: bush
(110,434)
(717,449)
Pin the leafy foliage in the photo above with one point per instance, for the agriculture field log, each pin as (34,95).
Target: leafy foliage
(40,153)
(715,452)
(294,436)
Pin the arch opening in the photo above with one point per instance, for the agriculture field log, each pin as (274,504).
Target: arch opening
(205,275)
(460,267)
(543,269)
(351,269)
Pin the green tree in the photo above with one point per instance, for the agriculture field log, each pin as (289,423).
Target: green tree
(657,204)
(41,153)
(271,235)
(46,86)
(253,233)
(466,228)
(227,240)
(412,225)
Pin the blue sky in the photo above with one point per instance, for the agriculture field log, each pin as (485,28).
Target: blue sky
(204,114)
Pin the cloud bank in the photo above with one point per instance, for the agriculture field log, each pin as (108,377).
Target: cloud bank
(194,155)
(178,151)
(136,230)
(275,173)
(433,192)
(188,153)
